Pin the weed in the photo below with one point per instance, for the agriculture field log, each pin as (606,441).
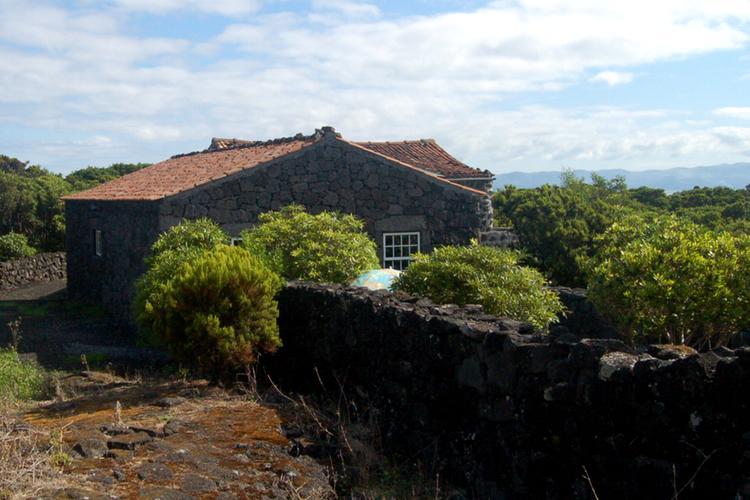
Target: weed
(15,332)
(19,379)
(58,456)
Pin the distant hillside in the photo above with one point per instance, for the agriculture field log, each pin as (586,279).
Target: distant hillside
(735,176)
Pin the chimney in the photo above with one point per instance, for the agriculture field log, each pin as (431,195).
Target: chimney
(326,132)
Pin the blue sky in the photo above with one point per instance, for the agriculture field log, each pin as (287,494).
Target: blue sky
(503,85)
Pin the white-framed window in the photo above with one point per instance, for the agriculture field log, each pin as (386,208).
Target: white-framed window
(235,242)
(98,243)
(398,248)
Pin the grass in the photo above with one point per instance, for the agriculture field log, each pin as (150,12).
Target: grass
(19,379)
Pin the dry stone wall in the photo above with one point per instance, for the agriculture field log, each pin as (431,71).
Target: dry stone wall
(41,267)
(508,413)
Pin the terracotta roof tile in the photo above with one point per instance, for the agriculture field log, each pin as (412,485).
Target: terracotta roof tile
(228,156)
(184,172)
(427,155)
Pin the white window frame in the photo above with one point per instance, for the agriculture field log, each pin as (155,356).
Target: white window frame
(235,242)
(401,261)
(98,248)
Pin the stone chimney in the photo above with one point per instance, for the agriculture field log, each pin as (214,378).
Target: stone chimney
(326,132)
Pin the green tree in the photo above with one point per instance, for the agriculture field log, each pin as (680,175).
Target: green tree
(482,275)
(218,310)
(328,247)
(664,279)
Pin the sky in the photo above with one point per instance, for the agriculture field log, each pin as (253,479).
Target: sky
(503,85)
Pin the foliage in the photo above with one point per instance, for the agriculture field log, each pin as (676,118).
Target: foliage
(199,233)
(664,279)
(30,198)
(329,247)
(19,379)
(13,246)
(218,311)
(557,225)
(482,275)
(89,177)
(181,243)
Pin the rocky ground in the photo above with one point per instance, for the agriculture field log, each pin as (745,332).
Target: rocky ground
(142,433)
(135,439)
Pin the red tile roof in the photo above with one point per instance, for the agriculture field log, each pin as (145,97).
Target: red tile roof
(228,156)
(184,172)
(427,155)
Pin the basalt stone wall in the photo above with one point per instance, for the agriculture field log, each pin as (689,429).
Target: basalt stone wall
(499,237)
(508,413)
(335,175)
(128,229)
(41,267)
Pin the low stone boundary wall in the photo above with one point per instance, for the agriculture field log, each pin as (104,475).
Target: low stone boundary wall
(509,413)
(40,267)
(499,237)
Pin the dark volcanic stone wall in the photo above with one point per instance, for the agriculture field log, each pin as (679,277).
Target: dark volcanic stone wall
(128,230)
(41,267)
(511,414)
(334,175)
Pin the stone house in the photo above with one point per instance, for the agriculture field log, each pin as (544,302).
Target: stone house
(412,196)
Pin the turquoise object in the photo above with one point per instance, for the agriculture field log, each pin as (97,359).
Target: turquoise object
(376,279)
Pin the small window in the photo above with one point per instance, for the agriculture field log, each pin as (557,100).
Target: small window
(398,248)
(235,242)
(98,243)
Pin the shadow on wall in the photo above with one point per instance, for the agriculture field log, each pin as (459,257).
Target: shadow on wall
(509,413)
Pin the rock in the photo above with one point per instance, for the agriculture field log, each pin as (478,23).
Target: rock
(118,474)
(119,455)
(616,364)
(129,441)
(670,351)
(114,430)
(91,448)
(70,494)
(169,402)
(154,472)
(163,494)
(173,427)
(194,483)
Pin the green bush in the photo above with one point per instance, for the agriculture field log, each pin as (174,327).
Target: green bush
(664,279)
(181,243)
(201,233)
(482,275)
(329,247)
(218,310)
(13,246)
(19,380)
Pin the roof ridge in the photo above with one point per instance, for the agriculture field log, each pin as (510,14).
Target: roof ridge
(214,147)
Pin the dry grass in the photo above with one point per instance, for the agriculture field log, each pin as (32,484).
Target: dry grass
(27,460)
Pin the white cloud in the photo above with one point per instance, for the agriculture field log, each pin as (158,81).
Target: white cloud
(372,76)
(612,78)
(230,8)
(742,113)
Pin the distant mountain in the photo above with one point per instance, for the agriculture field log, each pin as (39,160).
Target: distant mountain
(736,175)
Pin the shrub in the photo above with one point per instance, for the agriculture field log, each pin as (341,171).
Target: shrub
(200,233)
(218,311)
(328,247)
(482,275)
(13,246)
(19,380)
(181,243)
(664,279)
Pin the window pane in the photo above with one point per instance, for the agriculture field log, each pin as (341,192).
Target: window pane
(389,240)
(397,252)
(389,252)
